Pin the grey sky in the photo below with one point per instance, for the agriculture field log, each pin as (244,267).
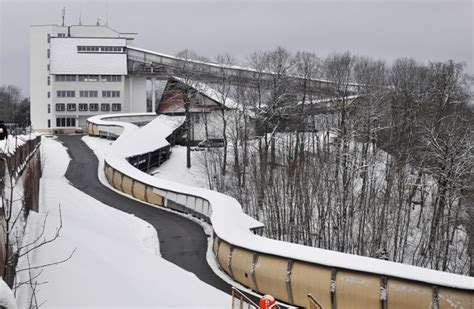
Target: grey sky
(422,29)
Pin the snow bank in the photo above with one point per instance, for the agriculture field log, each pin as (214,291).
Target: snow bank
(117,261)
(175,169)
(233,226)
(8,146)
(6,296)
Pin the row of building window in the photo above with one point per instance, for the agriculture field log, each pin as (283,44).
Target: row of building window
(87,94)
(88,78)
(100,49)
(65,93)
(111,94)
(84,107)
(65,122)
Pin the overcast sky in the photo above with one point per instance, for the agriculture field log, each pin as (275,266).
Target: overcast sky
(422,29)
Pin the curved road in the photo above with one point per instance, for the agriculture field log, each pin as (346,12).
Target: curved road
(182,242)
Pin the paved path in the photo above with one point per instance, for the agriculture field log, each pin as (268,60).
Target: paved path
(182,242)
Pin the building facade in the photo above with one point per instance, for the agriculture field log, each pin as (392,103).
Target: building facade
(80,71)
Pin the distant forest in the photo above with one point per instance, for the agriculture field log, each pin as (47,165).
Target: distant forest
(14,108)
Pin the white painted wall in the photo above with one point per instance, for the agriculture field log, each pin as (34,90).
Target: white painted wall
(135,94)
(66,60)
(77,87)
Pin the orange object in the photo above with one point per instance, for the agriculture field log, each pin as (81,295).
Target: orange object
(266,302)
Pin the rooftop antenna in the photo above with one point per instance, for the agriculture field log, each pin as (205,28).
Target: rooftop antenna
(63,14)
(80,13)
(107,13)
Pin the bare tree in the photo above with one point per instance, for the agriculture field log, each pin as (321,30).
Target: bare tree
(188,89)
(223,89)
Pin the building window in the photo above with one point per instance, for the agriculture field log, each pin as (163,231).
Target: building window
(61,35)
(116,107)
(88,93)
(105,107)
(47,67)
(88,49)
(94,107)
(49,108)
(113,49)
(65,122)
(83,107)
(49,120)
(65,93)
(100,49)
(110,94)
(49,53)
(71,107)
(49,80)
(49,40)
(88,78)
(60,107)
(49,94)
(65,78)
(110,78)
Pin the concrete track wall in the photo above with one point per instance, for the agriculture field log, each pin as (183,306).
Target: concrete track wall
(292,280)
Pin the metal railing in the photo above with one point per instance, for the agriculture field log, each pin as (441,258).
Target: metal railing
(313,303)
(241,301)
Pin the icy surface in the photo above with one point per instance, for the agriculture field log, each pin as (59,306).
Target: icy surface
(117,262)
(232,225)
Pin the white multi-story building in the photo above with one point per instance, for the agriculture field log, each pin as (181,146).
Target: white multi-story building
(80,71)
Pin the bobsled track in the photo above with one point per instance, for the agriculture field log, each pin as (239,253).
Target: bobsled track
(287,271)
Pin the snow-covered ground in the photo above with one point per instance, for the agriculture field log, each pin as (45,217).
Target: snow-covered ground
(9,145)
(6,296)
(175,168)
(117,261)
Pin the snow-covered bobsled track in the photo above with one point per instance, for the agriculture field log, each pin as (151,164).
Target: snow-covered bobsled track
(287,271)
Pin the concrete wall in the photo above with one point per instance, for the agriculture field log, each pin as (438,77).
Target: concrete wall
(135,94)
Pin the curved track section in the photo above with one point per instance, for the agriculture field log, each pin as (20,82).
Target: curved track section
(182,242)
(287,271)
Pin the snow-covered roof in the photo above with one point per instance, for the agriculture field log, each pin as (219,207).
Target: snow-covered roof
(92,31)
(232,225)
(65,58)
(209,92)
